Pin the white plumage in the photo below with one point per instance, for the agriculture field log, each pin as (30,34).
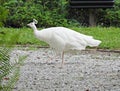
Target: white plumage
(62,39)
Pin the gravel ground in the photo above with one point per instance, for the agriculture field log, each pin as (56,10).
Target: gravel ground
(82,71)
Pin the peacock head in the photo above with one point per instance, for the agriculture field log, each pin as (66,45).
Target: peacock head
(32,24)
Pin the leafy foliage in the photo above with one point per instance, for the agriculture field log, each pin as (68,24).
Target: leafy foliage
(48,13)
(7,81)
(53,13)
(110,17)
(4,62)
(3,13)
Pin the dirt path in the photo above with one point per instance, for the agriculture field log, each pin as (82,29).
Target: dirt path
(84,71)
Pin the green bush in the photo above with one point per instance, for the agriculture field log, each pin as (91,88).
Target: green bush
(110,17)
(53,13)
(3,13)
(48,13)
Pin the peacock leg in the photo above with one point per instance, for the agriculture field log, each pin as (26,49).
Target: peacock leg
(62,59)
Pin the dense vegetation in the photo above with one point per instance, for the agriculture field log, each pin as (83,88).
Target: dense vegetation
(17,13)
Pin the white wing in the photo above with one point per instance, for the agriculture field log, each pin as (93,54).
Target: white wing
(57,42)
(67,39)
(64,39)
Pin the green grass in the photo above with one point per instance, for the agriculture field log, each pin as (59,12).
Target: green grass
(24,36)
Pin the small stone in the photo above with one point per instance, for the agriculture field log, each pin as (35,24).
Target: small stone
(66,83)
(87,90)
(35,78)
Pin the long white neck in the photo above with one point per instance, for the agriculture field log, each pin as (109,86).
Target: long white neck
(34,28)
(37,33)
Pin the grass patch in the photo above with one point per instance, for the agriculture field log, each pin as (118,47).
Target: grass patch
(108,36)
(21,36)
